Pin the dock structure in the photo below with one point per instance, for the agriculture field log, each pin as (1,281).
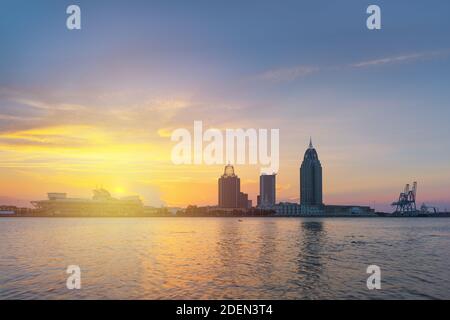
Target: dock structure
(406,204)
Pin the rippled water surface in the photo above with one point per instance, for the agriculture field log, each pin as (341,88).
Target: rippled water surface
(224,258)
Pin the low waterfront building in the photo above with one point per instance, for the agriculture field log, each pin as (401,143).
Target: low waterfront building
(351,210)
(215,211)
(102,204)
(6,210)
(295,209)
(243,200)
(287,209)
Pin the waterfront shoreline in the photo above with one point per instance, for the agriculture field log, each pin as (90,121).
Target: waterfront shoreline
(447,215)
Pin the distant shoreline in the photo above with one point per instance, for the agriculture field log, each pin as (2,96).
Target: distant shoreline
(447,215)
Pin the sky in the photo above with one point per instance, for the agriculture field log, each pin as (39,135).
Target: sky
(95,107)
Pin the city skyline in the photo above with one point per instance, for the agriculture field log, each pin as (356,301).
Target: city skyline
(230,195)
(96,106)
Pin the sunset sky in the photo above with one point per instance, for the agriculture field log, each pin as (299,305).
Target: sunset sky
(96,106)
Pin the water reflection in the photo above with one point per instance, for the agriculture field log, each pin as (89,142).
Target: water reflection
(267,249)
(311,268)
(229,248)
(267,258)
(229,244)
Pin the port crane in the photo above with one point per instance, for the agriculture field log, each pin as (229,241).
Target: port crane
(406,203)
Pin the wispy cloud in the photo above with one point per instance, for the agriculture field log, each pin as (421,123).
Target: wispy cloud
(46,106)
(9,117)
(287,74)
(405,58)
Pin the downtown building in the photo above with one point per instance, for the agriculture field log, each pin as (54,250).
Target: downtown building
(267,191)
(311,195)
(230,195)
(311,180)
(310,188)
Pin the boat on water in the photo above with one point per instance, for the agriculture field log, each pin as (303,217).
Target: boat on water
(102,204)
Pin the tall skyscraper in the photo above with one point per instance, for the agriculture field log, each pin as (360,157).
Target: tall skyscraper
(311,178)
(267,193)
(229,189)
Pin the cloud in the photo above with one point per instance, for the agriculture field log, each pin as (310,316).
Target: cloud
(292,73)
(400,59)
(53,137)
(22,111)
(8,117)
(287,74)
(46,106)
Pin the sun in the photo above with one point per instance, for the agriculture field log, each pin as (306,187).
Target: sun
(119,190)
